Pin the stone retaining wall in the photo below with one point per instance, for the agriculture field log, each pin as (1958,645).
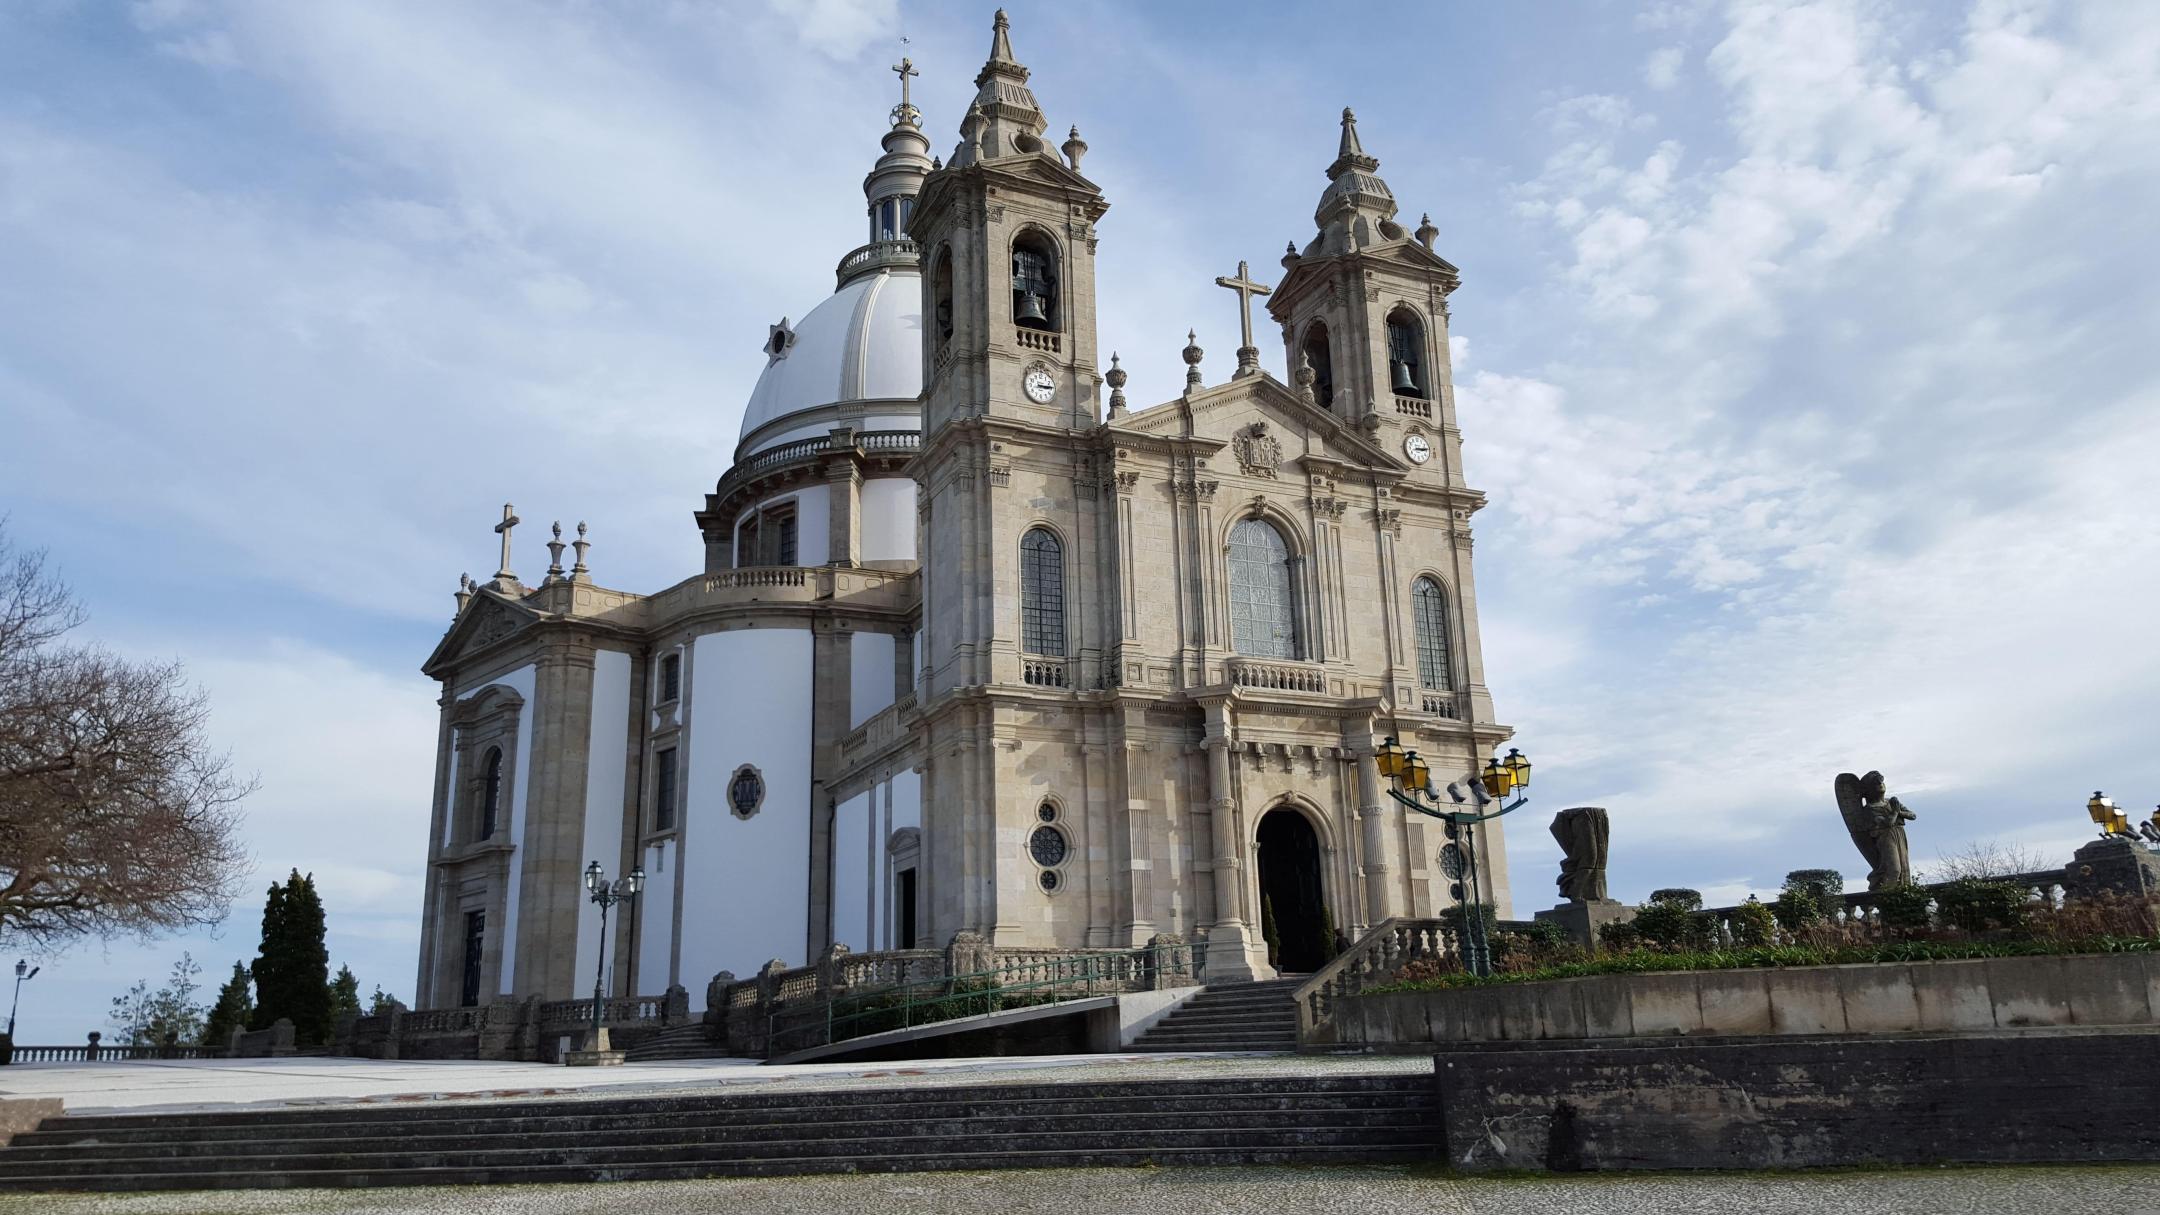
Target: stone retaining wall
(1996,1097)
(1886,997)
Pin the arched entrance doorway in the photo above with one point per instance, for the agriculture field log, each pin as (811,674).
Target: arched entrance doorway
(1293,907)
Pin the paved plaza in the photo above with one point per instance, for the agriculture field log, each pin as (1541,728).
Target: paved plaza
(1317,1191)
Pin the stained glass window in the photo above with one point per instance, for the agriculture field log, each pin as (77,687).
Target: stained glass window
(1042,594)
(1263,613)
(1047,846)
(1429,605)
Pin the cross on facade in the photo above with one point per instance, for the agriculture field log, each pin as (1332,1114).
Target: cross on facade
(1248,355)
(502,529)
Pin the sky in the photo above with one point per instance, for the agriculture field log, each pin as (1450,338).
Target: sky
(1805,349)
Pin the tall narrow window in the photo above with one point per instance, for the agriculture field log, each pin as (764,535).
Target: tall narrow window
(1263,607)
(1406,354)
(1042,594)
(664,790)
(671,679)
(768,537)
(490,793)
(942,297)
(1034,283)
(1428,604)
(475,941)
(1322,357)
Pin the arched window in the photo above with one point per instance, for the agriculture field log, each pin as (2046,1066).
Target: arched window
(941,297)
(1263,605)
(1034,282)
(1042,594)
(1428,604)
(490,792)
(1322,357)
(1406,354)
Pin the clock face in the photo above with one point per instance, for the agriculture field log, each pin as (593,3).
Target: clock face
(1038,384)
(1418,448)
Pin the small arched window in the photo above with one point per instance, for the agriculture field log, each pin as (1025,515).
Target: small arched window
(1034,282)
(1428,605)
(490,792)
(1042,594)
(1406,354)
(1322,358)
(941,297)
(1263,603)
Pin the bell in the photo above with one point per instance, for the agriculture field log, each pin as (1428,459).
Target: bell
(1403,383)
(1031,312)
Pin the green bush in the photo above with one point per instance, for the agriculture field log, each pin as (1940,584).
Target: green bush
(1903,907)
(1810,896)
(1977,905)
(1672,924)
(1619,937)
(1827,885)
(1753,925)
(1689,899)
(1454,920)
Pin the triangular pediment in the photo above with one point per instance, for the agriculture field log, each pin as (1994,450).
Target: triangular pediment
(1265,429)
(488,618)
(1316,270)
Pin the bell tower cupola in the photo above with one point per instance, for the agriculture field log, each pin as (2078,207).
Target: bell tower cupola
(891,187)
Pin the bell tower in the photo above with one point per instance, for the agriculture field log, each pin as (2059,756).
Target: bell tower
(1364,305)
(1007,232)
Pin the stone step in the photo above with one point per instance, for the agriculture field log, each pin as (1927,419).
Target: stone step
(672,1123)
(677,1170)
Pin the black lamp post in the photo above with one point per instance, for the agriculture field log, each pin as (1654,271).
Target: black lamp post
(23,971)
(2113,820)
(607,894)
(1406,770)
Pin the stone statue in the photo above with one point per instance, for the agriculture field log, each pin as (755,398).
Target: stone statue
(1877,824)
(1582,832)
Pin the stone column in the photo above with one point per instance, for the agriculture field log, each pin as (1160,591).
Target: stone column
(844,498)
(1234,956)
(1380,898)
(551,892)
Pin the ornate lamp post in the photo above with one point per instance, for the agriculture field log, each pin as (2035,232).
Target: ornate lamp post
(2113,820)
(1410,778)
(23,971)
(606,894)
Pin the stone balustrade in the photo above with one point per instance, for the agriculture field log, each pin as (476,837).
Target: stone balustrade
(1372,960)
(1277,676)
(530,1030)
(1045,672)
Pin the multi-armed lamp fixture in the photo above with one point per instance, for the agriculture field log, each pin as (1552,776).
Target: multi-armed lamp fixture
(1410,778)
(606,894)
(2114,820)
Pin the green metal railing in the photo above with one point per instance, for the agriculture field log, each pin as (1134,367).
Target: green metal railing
(1017,982)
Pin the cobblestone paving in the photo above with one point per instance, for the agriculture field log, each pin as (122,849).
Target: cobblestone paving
(2115,1190)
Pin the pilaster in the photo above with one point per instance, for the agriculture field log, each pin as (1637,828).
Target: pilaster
(551,889)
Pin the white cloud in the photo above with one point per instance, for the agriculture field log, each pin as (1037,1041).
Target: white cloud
(1662,69)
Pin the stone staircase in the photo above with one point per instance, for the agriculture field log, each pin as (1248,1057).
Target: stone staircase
(1340,1118)
(1237,1016)
(692,1041)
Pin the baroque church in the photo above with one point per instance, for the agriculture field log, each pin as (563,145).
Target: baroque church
(975,648)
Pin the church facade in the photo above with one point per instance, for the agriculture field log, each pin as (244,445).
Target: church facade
(974,648)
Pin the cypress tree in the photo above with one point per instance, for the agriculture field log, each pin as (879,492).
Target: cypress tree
(344,994)
(234,1003)
(270,969)
(292,973)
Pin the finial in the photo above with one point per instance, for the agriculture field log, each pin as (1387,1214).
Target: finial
(1115,378)
(1350,153)
(905,114)
(555,548)
(509,520)
(971,126)
(1001,40)
(464,592)
(936,163)
(1193,354)
(1425,230)
(1074,148)
(578,572)
(1305,377)
(1289,254)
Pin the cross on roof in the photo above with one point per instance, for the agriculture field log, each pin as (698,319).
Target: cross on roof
(906,68)
(1246,288)
(502,529)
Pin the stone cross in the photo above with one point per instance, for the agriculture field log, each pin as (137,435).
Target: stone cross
(906,68)
(502,529)
(1248,355)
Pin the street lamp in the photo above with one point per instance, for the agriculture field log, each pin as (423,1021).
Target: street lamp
(2113,820)
(606,894)
(1411,780)
(23,971)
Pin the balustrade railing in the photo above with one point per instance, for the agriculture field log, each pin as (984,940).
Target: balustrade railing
(1373,960)
(1439,704)
(1037,339)
(1277,678)
(761,575)
(896,252)
(1415,407)
(799,450)
(1045,672)
(98,1052)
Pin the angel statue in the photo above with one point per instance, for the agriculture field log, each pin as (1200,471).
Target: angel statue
(1877,825)
(1582,833)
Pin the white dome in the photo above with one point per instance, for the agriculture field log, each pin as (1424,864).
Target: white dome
(862,344)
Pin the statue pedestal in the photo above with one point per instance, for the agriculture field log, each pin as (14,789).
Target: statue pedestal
(2118,864)
(596,1052)
(1583,920)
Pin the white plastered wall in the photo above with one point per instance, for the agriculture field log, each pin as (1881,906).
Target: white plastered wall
(854,852)
(887,530)
(521,682)
(870,676)
(606,757)
(812,528)
(746,882)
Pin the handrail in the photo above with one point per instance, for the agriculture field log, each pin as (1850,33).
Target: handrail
(1380,952)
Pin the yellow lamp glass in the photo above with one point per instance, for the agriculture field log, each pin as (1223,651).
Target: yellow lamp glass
(2098,807)
(1416,772)
(1495,778)
(1518,769)
(1388,757)
(2119,821)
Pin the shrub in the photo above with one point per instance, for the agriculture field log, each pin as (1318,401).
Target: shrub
(1753,925)
(1533,945)
(1903,907)
(1810,896)
(1689,899)
(1827,885)
(1454,919)
(1976,905)
(1671,924)
(1619,937)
